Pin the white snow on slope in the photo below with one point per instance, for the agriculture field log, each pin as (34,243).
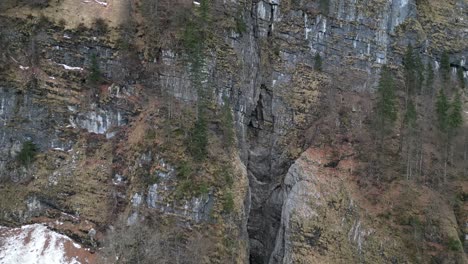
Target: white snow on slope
(35,244)
(101,3)
(66,67)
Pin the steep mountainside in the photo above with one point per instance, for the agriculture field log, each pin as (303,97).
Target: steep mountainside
(263,131)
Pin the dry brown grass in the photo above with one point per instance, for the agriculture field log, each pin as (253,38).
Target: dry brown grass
(75,12)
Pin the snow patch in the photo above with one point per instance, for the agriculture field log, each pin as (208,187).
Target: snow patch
(59,149)
(35,244)
(101,3)
(66,67)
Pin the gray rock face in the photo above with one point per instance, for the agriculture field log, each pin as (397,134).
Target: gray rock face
(353,37)
(36,107)
(196,209)
(23,118)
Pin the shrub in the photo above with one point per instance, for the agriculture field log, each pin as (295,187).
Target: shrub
(228,178)
(27,153)
(183,189)
(100,26)
(151,178)
(454,244)
(184,170)
(150,134)
(241,27)
(203,188)
(228,202)
(81,28)
(62,23)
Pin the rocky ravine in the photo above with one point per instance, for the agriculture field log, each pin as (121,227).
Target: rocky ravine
(292,210)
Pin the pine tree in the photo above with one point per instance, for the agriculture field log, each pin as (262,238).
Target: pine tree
(445,66)
(410,115)
(325,6)
(199,137)
(204,10)
(455,118)
(450,118)
(410,65)
(442,107)
(429,78)
(408,59)
(194,38)
(461,78)
(95,72)
(410,137)
(27,153)
(318,62)
(419,72)
(386,105)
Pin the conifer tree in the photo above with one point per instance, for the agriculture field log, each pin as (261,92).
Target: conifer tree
(408,59)
(419,72)
(461,78)
(318,62)
(410,138)
(199,137)
(95,71)
(410,115)
(410,65)
(325,6)
(445,66)
(449,117)
(455,118)
(429,78)
(442,107)
(194,42)
(386,105)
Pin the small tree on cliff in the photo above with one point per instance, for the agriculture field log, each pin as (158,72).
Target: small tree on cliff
(198,140)
(324,6)
(386,105)
(94,70)
(318,62)
(419,70)
(27,153)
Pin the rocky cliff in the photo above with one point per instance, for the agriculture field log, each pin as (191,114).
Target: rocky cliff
(109,108)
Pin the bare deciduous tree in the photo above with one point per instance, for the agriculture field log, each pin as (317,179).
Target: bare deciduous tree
(143,243)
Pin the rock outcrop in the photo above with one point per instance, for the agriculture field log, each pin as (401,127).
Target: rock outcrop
(119,147)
